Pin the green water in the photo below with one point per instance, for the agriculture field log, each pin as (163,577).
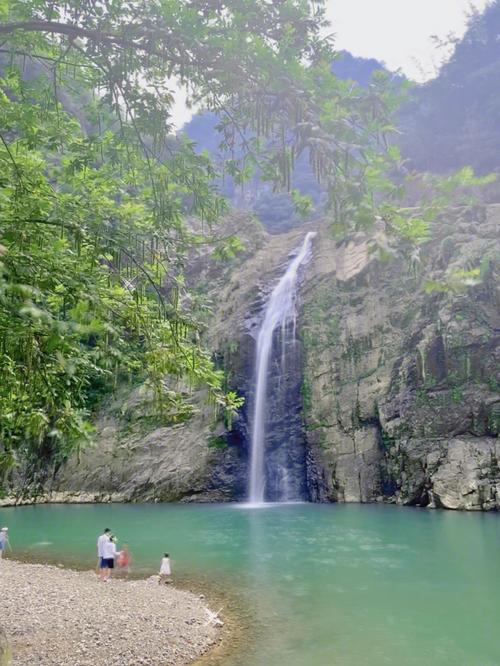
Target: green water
(327,585)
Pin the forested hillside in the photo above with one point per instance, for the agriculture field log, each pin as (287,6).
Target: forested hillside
(454,120)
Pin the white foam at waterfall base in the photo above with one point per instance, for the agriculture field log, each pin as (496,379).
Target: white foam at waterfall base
(280,310)
(265,505)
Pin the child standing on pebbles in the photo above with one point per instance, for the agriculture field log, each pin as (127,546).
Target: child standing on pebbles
(165,570)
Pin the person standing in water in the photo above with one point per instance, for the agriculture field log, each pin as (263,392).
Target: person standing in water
(124,559)
(165,570)
(4,540)
(100,551)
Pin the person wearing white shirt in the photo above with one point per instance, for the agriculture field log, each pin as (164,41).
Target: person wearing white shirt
(109,555)
(104,538)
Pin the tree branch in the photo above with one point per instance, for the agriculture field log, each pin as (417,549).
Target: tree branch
(36,56)
(149,41)
(70,30)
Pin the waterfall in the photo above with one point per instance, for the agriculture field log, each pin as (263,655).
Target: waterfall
(280,311)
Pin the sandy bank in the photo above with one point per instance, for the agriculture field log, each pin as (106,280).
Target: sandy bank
(60,617)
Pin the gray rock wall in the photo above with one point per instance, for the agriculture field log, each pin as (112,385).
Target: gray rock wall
(136,459)
(401,383)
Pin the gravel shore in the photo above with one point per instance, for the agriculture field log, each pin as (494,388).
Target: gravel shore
(60,617)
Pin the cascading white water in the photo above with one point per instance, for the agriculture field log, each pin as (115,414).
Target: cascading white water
(280,310)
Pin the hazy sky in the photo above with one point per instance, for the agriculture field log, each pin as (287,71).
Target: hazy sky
(398,32)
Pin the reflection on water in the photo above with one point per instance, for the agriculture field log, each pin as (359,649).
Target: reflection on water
(326,585)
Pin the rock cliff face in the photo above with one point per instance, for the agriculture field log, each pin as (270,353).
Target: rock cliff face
(394,391)
(401,383)
(135,459)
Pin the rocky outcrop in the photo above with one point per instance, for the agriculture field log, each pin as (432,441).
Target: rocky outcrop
(401,375)
(135,458)
(455,473)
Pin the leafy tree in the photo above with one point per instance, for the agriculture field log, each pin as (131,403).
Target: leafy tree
(95,194)
(91,284)
(277,210)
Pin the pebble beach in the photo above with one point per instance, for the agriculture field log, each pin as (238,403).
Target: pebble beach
(60,617)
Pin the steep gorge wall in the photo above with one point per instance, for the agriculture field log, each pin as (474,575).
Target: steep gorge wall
(400,388)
